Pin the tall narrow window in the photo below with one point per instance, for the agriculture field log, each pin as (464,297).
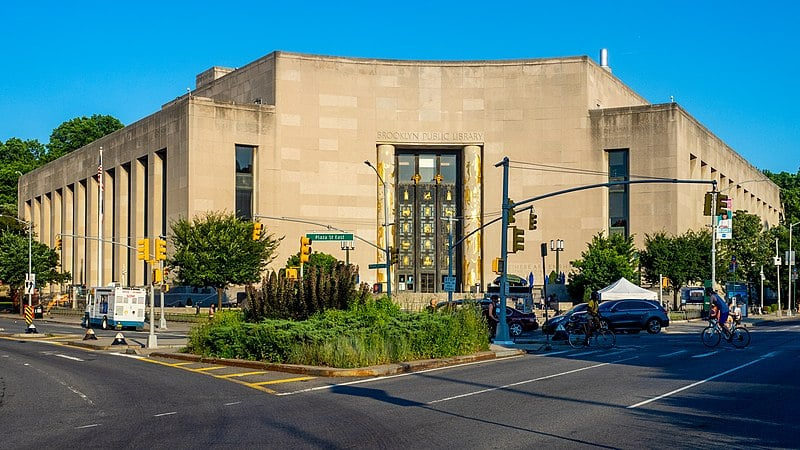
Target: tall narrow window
(618,199)
(244,181)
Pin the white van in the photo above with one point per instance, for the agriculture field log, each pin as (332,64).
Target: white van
(115,307)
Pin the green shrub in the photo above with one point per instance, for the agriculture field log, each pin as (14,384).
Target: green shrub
(370,332)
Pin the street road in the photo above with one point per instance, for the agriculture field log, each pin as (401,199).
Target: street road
(652,391)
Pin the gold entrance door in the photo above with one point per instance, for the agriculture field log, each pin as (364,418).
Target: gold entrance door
(427,197)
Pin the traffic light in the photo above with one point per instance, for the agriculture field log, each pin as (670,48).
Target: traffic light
(258,228)
(511,218)
(161,249)
(291,273)
(707,204)
(723,204)
(394,255)
(157,276)
(305,249)
(143,249)
(498,266)
(166,273)
(532,220)
(518,242)
(58,244)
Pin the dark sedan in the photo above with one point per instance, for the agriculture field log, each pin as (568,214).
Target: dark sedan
(629,315)
(518,321)
(552,324)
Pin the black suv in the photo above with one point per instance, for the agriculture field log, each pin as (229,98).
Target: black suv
(634,315)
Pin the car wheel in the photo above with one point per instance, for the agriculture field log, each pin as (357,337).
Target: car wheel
(515,329)
(653,326)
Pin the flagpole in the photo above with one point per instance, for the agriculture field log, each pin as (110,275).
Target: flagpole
(100,220)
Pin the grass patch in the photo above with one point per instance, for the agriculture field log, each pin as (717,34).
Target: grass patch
(369,333)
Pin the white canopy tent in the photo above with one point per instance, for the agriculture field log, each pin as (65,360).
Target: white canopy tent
(622,289)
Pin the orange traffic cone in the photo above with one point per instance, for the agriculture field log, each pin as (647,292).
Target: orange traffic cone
(119,340)
(89,335)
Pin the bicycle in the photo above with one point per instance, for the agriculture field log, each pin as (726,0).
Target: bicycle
(577,329)
(738,336)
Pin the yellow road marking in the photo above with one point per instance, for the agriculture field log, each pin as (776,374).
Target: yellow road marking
(203,369)
(180,364)
(283,380)
(239,374)
(252,386)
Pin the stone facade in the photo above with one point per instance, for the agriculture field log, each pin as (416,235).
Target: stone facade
(314,120)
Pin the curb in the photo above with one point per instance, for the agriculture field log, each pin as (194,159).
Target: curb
(371,371)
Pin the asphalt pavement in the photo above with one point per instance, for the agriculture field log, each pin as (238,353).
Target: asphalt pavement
(171,342)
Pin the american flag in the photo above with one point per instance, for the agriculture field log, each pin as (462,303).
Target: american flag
(100,173)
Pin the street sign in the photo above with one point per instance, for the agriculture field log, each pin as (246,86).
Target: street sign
(29,286)
(377,266)
(330,236)
(449,284)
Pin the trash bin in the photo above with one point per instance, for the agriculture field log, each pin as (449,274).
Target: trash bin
(38,312)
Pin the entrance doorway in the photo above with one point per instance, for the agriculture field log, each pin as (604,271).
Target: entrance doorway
(428,195)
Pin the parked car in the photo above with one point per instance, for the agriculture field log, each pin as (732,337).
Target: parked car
(631,315)
(552,323)
(180,296)
(634,315)
(518,321)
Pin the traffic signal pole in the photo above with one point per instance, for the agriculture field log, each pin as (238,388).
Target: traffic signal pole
(501,336)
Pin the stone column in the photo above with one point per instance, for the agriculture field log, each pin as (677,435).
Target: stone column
(385,168)
(472,212)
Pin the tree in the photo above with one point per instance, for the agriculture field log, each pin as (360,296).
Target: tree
(606,260)
(684,259)
(74,134)
(790,194)
(217,249)
(20,156)
(14,260)
(323,261)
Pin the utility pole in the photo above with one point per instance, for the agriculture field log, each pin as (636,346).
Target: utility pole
(501,336)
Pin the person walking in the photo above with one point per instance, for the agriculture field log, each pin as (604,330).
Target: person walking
(211,310)
(492,316)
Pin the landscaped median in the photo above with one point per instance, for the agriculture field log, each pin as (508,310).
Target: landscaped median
(373,337)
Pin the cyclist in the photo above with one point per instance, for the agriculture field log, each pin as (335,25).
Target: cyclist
(592,315)
(722,307)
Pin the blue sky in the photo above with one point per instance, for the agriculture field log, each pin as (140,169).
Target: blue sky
(732,65)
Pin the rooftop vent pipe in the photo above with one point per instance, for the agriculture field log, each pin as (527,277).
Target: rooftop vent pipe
(604,59)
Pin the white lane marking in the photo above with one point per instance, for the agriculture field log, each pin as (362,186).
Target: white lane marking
(673,353)
(69,357)
(127,356)
(166,414)
(88,426)
(546,377)
(232,403)
(703,355)
(553,353)
(697,383)
(591,352)
(369,380)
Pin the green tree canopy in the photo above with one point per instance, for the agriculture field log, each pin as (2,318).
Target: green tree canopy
(684,259)
(217,249)
(323,261)
(20,156)
(74,134)
(606,260)
(14,260)
(790,194)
